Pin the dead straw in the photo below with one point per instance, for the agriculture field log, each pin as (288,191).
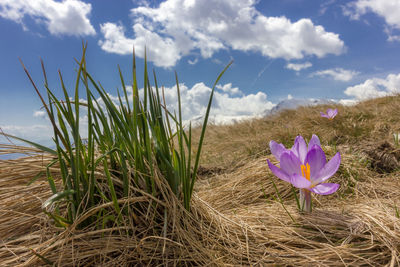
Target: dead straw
(232,223)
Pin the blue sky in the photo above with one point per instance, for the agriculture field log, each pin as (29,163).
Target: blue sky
(341,50)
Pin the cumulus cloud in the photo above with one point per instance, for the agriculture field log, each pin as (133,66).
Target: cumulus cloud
(375,87)
(69,17)
(230,104)
(337,74)
(163,52)
(210,26)
(226,108)
(298,66)
(227,88)
(389,10)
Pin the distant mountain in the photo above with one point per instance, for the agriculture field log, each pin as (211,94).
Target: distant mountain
(221,119)
(295,103)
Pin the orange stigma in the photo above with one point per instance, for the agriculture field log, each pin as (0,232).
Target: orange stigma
(305,171)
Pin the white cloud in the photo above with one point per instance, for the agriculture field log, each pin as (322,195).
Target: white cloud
(375,87)
(324,6)
(37,133)
(388,9)
(184,26)
(162,51)
(39,113)
(41,133)
(229,103)
(69,17)
(348,102)
(225,109)
(299,66)
(217,61)
(337,74)
(194,61)
(391,36)
(227,88)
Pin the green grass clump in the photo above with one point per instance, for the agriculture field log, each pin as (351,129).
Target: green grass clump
(127,143)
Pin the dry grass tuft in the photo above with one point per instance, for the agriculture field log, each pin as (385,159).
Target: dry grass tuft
(236,218)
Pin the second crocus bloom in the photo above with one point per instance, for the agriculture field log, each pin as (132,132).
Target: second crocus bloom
(330,113)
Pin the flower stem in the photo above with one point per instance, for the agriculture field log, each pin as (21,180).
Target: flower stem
(305,200)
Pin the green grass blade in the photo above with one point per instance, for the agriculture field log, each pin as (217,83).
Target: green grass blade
(56,197)
(203,130)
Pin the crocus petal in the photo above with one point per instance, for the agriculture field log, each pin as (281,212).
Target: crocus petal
(299,181)
(324,115)
(328,170)
(331,113)
(276,149)
(313,141)
(278,172)
(325,189)
(300,148)
(317,160)
(290,163)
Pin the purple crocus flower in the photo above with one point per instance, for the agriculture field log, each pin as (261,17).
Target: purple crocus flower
(305,167)
(330,113)
(299,148)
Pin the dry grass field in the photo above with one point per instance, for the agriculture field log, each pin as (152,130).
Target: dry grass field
(236,218)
